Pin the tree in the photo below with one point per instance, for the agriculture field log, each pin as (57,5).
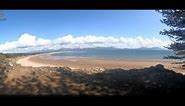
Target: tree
(175,19)
(2,16)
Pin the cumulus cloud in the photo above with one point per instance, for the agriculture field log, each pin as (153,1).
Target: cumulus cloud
(25,41)
(29,43)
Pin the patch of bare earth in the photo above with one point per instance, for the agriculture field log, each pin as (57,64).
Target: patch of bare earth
(22,80)
(28,80)
(154,80)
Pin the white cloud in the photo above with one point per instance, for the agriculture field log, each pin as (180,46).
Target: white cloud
(24,42)
(28,43)
(27,40)
(43,42)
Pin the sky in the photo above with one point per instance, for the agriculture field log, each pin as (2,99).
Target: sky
(26,30)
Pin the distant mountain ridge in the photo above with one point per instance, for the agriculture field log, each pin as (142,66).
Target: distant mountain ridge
(152,48)
(105,48)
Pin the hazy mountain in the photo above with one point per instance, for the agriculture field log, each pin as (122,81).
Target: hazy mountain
(152,48)
(100,48)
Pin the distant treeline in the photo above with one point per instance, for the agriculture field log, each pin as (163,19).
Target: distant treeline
(174,57)
(10,55)
(179,55)
(182,52)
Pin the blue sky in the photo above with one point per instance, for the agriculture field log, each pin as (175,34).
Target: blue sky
(55,23)
(52,24)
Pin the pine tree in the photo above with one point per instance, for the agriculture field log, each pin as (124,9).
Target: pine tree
(175,19)
(2,16)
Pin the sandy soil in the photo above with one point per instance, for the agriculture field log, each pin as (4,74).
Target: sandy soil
(33,77)
(78,63)
(25,61)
